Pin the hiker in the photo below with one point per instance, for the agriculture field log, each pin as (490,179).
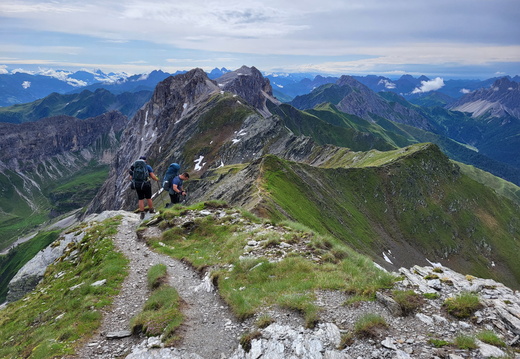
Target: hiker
(176,190)
(140,172)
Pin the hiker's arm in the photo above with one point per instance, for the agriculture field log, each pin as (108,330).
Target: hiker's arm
(154,177)
(178,190)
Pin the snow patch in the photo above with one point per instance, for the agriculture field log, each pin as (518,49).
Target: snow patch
(386,258)
(434,264)
(198,163)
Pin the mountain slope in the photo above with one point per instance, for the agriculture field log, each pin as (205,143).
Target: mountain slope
(499,100)
(51,166)
(413,203)
(352,97)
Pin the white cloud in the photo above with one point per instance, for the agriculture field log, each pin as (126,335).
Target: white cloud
(427,86)
(3,70)
(388,84)
(26,84)
(465,91)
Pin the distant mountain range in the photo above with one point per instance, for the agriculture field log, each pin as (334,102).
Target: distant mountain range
(23,87)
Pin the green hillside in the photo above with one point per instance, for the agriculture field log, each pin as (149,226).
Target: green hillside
(414,203)
(25,204)
(327,125)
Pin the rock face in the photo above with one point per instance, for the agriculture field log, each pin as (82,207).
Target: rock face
(23,147)
(502,99)
(32,272)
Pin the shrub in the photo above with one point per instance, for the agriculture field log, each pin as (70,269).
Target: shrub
(370,326)
(463,305)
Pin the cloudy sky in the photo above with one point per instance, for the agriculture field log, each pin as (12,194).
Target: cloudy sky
(448,38)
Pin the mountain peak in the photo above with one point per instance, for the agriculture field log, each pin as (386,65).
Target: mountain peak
(251,85)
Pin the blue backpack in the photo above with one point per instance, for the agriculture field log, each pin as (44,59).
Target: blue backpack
(170,174)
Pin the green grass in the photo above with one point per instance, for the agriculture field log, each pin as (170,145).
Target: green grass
(465,342)
(16,258)
(490,337)
(19,215)
(463,305)
(415,195)
(156,276)
(64,309)
(438,343)
(76,191)
(501,186)
(248,285)
(161,314)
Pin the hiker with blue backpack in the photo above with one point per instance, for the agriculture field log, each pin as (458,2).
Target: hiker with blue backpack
(177,191)
(140,174)
(173,183)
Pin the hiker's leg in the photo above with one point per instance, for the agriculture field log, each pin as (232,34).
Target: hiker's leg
(150,204)
(141,205)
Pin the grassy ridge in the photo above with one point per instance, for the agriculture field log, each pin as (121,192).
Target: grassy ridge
(65,308)
(420,199)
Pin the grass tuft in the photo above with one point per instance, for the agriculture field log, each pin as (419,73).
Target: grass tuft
(490,337)
(247,338)
(408,300)
(161,314)
(157,276)
(370,325)
(465,342)
(463,305)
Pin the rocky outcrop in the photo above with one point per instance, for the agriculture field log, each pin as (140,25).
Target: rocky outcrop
(32,272)
(249,84)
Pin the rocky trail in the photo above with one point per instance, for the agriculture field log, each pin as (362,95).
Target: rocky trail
(210,330)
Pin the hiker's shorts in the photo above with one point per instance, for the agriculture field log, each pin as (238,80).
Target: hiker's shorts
(144,190)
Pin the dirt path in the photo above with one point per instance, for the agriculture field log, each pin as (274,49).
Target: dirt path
(210,329)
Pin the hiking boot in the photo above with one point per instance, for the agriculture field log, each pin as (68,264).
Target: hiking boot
(151,210)
(167,205)
(142,215)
